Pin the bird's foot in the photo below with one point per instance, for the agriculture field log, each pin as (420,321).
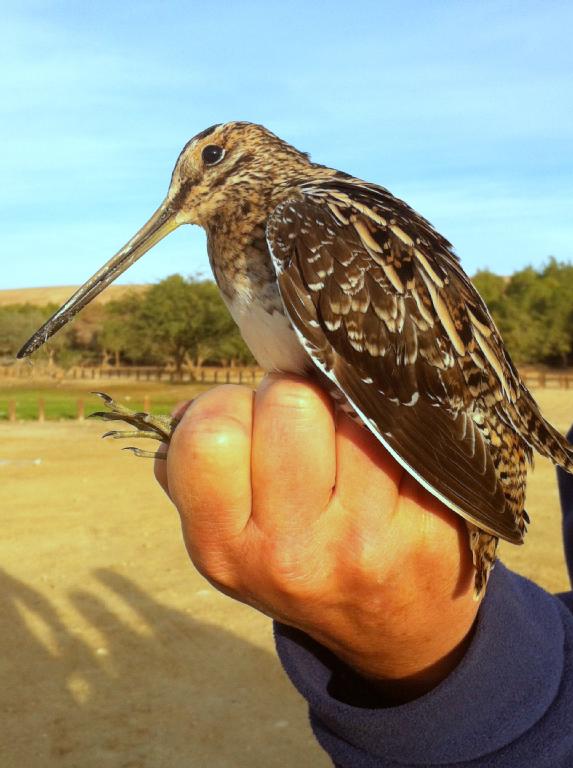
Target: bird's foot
(146,426)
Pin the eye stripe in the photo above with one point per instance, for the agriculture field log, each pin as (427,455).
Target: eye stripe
(199,136)
(206,132)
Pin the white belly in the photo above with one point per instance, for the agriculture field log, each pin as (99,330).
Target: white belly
(269,336)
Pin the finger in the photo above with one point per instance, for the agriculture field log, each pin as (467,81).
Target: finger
(377,492)
(293,453)
(208,466)
(160,465)
(367,477)
(160,470)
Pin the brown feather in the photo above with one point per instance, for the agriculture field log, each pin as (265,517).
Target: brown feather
(393,366)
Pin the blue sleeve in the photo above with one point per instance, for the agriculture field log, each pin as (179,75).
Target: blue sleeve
(508,704)
(565,481)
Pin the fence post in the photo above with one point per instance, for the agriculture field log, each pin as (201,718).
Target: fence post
(542,380)
(80,409)
(11,410)
(41,410)
(146,404)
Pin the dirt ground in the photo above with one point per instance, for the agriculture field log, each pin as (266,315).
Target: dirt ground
(115,652)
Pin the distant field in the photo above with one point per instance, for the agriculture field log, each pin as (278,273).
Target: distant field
(61,399)
(57,294)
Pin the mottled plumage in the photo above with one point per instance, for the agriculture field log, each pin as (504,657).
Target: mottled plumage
(333,277)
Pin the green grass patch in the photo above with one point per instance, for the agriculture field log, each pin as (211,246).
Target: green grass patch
(61,401)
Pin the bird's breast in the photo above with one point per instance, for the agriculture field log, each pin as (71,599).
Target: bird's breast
(267,331)
(246,278)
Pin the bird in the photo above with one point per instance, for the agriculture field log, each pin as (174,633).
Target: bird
(334,278)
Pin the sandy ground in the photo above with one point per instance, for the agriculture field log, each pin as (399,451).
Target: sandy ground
(115,652)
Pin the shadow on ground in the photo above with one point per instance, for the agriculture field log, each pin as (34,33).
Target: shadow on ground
(161,690)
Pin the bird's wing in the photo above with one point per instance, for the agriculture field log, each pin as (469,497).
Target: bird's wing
(385,311)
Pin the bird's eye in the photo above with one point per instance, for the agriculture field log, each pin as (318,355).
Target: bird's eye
(212,154)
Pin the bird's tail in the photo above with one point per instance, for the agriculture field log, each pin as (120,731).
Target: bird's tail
(542,435)
(484,547)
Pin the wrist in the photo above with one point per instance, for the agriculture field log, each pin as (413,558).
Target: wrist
(410,639)
(363,685)
(396,678)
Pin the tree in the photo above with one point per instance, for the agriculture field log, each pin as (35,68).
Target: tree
(533,310)
(19,321)
(118,332)
(175,320)
(179,320)
(173,315)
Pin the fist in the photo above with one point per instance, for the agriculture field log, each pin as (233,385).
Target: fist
(297,510)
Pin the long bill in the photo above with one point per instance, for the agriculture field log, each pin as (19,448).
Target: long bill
(159,225)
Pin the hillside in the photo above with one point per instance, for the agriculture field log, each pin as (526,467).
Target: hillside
(57,294)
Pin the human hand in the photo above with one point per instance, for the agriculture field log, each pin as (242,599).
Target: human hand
(302,514)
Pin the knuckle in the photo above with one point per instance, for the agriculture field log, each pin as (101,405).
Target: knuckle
(292,394)
(225,397)
(209,432)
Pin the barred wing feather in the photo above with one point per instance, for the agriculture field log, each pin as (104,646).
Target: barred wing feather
(394,328)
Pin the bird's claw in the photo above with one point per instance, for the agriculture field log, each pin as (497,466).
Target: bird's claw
(119,434)
(146,425)
(146,454)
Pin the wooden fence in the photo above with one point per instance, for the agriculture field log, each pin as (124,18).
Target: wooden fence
(203,375)
(80,409)
(13,409)
(188,375)
(550,379)
(547,380)
(208,375)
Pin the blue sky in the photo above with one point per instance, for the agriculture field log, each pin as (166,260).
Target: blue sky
(463,109)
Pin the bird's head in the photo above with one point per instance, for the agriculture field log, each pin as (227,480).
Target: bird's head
(224,174)
(228,169)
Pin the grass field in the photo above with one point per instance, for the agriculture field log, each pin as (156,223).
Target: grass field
(113,650)
(61,401)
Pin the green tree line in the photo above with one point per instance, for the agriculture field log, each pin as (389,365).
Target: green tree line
(184,320)
(176,321)
(533,309)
